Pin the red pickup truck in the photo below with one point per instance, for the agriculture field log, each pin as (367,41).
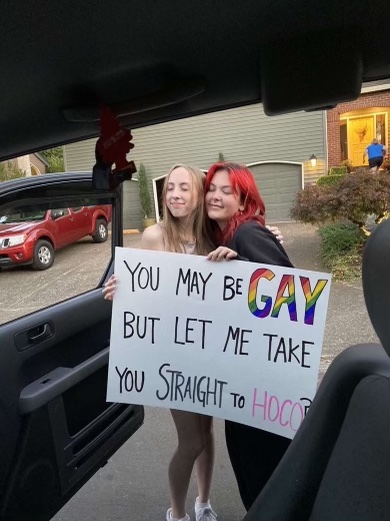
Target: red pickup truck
(32,237)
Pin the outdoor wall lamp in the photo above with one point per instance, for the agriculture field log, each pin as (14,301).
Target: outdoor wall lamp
(313,160)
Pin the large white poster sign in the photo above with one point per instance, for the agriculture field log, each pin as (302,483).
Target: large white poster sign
(235,340)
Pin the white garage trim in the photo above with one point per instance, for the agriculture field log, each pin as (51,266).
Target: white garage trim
(283,163)
(155,198)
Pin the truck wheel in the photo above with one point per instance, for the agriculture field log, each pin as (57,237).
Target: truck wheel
(43,255)
(101,231)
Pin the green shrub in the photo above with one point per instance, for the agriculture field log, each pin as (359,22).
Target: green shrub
(339,238)
(348,164)
(338,170)
(9,170)
(354,197)
(329,180)
(386,164)
(341,250)
(144,195)
(221,157)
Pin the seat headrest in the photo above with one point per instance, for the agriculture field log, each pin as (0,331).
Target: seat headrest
(376,281)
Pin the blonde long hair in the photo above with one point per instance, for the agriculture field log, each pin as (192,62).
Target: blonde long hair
(172,228)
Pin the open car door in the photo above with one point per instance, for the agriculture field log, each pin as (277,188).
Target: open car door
(56,428)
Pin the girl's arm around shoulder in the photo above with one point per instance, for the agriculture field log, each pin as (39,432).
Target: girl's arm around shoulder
(255,243)
(153,238)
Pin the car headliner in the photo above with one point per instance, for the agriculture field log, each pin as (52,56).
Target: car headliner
(156,61)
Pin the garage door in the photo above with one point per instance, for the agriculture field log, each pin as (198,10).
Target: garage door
(278,184)
(132,213)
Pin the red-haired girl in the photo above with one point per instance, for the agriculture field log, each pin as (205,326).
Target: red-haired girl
(237,214)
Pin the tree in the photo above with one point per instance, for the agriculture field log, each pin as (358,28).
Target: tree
(221,157)
(354,197)
(144,195)
(55,158)
(9,170)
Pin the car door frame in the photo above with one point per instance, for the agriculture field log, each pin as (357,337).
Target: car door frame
(56,432)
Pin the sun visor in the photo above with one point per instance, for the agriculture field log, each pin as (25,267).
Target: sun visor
(313,72)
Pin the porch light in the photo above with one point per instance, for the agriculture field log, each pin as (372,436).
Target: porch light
(313,160)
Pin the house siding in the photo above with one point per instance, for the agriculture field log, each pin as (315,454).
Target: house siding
(244,135)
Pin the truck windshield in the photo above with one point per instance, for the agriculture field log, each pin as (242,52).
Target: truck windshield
(17,217)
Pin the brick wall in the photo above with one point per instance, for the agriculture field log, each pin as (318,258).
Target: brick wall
(375,99)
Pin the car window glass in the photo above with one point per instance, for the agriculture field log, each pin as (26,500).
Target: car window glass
(59,212)
(25,216)
(48,255)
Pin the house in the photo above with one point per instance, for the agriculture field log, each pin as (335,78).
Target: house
(352,126)
(38,164)
(284,152)
(32,164)
(27,165)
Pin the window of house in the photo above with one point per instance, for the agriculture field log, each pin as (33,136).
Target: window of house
(343,140)
(381,128)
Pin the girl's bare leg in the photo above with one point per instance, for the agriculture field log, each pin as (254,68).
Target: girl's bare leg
(194,434)
(204,464)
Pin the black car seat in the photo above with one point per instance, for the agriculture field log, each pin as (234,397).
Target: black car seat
(337,468)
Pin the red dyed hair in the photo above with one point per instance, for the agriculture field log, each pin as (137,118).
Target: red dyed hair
(243,183)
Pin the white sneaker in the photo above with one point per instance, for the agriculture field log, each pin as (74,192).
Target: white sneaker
(204,512)
(170,518)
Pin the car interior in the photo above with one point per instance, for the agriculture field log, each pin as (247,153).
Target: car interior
(346,428)
(152,62)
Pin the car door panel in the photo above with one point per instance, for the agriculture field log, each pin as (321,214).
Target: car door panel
(56,427)
(80,224)
(61,385)
(63,226)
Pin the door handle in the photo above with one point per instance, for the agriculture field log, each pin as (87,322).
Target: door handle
(39,333)
(34,335)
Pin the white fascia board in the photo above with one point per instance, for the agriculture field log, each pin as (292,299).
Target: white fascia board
(375,88)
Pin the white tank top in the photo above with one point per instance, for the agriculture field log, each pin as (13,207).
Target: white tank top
(189,247)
